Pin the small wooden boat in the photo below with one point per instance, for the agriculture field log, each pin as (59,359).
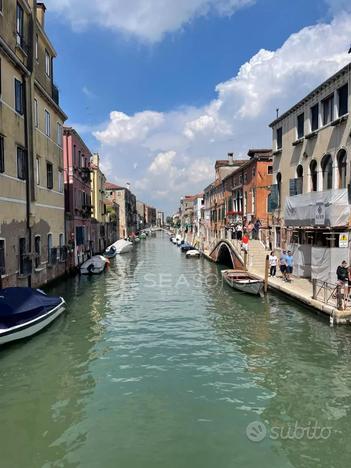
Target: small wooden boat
(25,312)
(243,281)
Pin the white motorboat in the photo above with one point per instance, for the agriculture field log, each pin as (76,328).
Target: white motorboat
(243,281)
(123,246)
(25,312)
(192,254)
(110,252)
(94,266)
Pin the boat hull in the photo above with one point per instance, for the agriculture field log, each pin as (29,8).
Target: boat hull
(32,327)
(243,282)
(125,249)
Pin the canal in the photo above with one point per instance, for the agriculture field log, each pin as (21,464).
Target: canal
(157,364)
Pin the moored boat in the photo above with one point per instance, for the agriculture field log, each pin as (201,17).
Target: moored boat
(243,281)
(186,247)
(123,246)
(192,253)
(25,311)
(94,266)
(110,252)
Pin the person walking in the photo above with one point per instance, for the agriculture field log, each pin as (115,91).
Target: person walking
(245,242)
(289,265)
(273,262)
(283,264)
(257,227)
(239,232)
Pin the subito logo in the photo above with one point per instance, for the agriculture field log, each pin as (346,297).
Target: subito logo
(256,431)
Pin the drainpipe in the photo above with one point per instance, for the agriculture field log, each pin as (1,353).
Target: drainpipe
(66,194)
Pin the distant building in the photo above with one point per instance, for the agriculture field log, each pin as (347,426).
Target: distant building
(141,215)
(151,217)
(127,208)
(78,206)
(160,218)
(99,211)
(32,223)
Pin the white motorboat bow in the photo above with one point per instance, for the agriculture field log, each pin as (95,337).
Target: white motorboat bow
(192,253)
(94,266)
(25,312)
(123,246)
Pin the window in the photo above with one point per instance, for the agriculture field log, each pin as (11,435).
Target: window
(37,170)
(328,109)
(279,189)
(342,168)
(0,73)
(47,63)
(300,126)
(59,134)
(49,248)
(2,257)
(240,179)
(36,115)
(327,172)
(270,170)
(245,178)
(79,235)
(314,176)
(37,250)
(47,123)
(74,155)
(19,102)
(49,175)
(19,25)
(2,154)
(299,180)
(253,171)
(343,96)
(314,117)
(60,181)
(22,255)
(21,163)
(36,48)
(279,138)
(79,158)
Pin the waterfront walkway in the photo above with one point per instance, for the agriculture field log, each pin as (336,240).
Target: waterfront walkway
(299,289)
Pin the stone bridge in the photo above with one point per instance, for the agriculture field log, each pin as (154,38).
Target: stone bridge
(227,252)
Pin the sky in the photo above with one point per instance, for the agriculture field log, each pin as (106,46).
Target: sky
(163,88)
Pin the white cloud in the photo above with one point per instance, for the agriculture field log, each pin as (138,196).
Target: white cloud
(175,151)
(123,128)
(88,93)
(148,20)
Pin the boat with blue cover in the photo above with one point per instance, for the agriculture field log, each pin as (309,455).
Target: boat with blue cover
(26,311)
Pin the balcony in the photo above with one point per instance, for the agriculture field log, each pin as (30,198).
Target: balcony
(329,208)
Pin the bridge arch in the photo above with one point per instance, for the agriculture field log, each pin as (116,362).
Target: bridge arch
(224,253)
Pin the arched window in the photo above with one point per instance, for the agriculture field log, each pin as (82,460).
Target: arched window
(342,168)
(279,188)
(327,171)
(314,176)
(299,174)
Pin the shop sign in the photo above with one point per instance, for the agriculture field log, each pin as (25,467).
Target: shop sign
(344,239)
(319,216)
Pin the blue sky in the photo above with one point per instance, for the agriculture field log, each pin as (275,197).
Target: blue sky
(159,69)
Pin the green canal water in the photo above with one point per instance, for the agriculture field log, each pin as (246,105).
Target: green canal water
(157,364)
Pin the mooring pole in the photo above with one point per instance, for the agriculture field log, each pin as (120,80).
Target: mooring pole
(245,260)
(266,271)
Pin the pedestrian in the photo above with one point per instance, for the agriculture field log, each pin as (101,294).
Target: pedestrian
(239,232)
(289,265)
(282,264)
(342,274)
(273,261)
(245,242)
(257,227)
(250,228)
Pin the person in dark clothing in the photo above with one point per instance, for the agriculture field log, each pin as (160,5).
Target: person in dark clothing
(342,273)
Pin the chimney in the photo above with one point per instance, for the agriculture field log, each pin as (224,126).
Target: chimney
(231,159)
(41,8)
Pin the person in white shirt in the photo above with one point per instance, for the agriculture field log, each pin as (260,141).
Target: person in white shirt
(273,262)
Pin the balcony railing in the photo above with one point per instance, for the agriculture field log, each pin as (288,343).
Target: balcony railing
(328,208)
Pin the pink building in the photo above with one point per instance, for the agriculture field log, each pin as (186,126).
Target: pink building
(78,206)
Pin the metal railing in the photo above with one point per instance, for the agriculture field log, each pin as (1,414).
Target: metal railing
(335,295)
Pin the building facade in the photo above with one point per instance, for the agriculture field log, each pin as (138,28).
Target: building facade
(32,223)
(78,205)
(151,216)
(312,154)
(126,201)
(160,218)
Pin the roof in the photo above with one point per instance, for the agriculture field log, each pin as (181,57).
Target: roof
(259,152)
(226,162)
(311,94)
(110,186)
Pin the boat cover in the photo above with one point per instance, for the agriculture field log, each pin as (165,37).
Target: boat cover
(19,305)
